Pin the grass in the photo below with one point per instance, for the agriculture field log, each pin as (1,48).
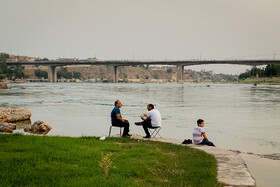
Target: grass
(263,80)
(60,161)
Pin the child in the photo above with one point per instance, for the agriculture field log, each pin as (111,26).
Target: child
(198,132)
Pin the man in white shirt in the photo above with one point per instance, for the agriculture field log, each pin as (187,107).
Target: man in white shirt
(152,119)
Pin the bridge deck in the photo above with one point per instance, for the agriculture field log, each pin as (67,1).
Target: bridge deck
(131,63)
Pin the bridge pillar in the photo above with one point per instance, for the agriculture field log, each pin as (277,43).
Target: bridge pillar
(115,74)
(52,74)
(180,74)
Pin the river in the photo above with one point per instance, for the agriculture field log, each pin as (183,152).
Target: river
(241,117)
(237,116)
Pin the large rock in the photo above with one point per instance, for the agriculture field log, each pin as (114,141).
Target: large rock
(3,85)
(7,127)
(38,127)
(14,114)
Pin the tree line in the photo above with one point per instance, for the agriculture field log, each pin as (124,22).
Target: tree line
(271,70)
(61,73)
(17,72)
(10,72)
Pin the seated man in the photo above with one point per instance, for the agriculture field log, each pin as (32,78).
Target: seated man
(117,120)
(198,132)
(152,119)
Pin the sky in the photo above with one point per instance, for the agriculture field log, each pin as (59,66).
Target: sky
(143,30)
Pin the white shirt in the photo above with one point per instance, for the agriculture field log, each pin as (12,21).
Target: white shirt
(155,117)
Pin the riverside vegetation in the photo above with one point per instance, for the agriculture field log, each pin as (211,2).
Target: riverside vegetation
(268,74)
(10,72)
(54,161)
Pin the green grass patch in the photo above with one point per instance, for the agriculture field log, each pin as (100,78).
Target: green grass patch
(60,161)
(262,80)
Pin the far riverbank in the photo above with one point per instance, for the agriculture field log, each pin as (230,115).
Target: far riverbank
(262,80)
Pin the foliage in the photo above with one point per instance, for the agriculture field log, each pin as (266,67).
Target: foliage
(169,70)
(77,75)
(10,72)
(64,73)
(41,73)
(245,75)
(62,161)
(271,70)
(106,163)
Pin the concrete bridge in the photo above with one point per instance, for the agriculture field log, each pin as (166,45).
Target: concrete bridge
(52,64)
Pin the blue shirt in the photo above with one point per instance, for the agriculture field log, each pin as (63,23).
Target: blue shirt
(114,112)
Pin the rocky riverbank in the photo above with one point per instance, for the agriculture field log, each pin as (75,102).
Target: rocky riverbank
(11,115)
(19,118)
(3,85)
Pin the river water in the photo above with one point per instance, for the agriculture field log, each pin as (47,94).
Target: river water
(242,117)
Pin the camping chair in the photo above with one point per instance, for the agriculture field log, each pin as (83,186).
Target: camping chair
(111,129)
(154,131)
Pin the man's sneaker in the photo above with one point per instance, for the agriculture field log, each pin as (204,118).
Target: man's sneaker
(138,123)
(147,137)
(126,136)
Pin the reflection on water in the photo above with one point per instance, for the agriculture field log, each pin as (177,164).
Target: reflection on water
(243,117)
(23,124)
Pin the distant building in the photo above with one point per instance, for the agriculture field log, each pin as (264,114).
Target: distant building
(93,59)
(68,59)
(1,53)
(22,58)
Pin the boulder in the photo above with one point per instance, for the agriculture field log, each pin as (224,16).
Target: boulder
(7,127)
(38,127)
(11,115)
(3,85)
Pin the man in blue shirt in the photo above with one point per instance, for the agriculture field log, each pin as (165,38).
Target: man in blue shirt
(117,120)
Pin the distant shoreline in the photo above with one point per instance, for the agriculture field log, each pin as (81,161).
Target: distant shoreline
(266,80)
(263,80)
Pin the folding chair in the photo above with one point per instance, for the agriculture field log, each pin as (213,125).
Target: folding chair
(154,131)
(111,129)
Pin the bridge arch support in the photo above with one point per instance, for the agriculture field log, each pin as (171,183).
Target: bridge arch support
(180,74)
(52,74)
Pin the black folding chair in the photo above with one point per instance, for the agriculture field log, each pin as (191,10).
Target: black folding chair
(154,131)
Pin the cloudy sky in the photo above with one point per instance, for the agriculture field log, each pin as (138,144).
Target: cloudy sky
(142,29)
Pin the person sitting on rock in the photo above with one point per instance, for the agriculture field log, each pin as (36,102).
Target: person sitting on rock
(199,135)
(152,119)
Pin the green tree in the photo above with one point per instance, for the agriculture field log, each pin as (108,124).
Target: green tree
(245,75)
(169,70)
(40,73)
(3,66)
(10,72)
(68,75)
(77,75)
(272,70)
(63,72)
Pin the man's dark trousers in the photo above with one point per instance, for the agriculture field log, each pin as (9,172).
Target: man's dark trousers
(124,124)
(207,142)
(146,125)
